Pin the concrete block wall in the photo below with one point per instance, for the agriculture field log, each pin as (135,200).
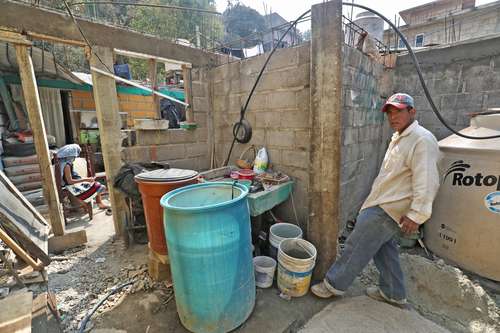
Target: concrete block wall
(186,149)
(136,106)
(365,134)
(279,113)
(462,78)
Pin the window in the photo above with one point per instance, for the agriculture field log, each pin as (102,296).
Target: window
(401,44)
(419,40)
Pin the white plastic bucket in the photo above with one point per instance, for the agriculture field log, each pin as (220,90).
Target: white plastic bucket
(279,232)
(296,260)
(264,271)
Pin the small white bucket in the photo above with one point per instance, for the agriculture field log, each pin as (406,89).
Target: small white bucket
(279,232)
(296,258)
(264,271)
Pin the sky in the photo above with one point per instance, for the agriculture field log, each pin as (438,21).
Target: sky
(291,9)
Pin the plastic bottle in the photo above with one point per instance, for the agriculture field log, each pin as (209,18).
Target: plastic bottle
(261,161)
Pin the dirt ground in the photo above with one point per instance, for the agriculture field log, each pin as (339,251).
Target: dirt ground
(82,276)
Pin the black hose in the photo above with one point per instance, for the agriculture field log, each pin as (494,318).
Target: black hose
(244,108)
(420,76)
(113,290)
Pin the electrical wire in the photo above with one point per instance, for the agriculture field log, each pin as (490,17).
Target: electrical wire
(138,4)
(421,77)
(84,37)
(244,108)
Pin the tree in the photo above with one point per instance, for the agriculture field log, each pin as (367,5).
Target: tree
(242,22)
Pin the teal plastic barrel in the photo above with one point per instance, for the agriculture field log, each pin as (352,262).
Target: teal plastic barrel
(207,228)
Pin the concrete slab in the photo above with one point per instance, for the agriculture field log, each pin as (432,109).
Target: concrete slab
(362,314)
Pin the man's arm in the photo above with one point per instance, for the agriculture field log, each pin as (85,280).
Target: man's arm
(425,179)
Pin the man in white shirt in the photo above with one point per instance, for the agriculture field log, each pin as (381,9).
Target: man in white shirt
(401,199)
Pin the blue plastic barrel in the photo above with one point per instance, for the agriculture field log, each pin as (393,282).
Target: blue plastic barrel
(207,228)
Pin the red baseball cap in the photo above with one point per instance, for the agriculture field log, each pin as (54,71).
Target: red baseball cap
(400,101)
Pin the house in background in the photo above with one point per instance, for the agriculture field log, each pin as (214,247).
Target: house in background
(445,22)
(276,26)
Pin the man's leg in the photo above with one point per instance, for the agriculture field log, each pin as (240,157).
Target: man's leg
(373,229)
(391,281)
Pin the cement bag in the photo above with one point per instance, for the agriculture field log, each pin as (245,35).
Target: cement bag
(29,178)
(15,160)
(22,170)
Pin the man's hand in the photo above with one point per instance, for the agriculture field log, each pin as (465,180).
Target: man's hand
(408,226)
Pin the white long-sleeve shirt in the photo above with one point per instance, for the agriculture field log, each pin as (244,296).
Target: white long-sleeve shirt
(408,180)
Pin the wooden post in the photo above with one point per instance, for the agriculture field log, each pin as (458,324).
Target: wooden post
(108,118)
(326,107)
(188,92)
(154,85)
(35,116)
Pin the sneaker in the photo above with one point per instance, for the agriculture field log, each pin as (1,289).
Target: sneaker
(377,294)
(325,290)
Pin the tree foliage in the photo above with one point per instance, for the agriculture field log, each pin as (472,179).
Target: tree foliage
(241,21)
(170,24)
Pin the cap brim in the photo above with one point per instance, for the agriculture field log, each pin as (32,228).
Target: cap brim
(399,106)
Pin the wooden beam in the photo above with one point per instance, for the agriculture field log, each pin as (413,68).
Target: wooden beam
(153,77)
(25,18)
(326,107)
(70,240)
(188,92)
(138,55)
(19,251)
(14,37)
(32,100)
(110,122)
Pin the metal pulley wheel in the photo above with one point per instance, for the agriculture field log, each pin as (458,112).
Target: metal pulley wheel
(242,131)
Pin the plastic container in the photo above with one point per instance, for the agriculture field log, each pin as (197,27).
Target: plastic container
(246,174)
(279,232)
(261,161)
(210,252)
(264,271)
(153,185)
(296,260)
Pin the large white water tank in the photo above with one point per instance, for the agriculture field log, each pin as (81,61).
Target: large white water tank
(465,224)
(373,24)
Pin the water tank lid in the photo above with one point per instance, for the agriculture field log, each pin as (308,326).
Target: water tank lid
(166,175)
(457,142)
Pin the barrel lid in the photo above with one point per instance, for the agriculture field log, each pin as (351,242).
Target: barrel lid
(166,175)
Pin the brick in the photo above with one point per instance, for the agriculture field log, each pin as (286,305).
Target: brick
(295,158)
(282,100)
(280,138)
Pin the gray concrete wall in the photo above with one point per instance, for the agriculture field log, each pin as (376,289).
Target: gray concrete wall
(186,149)
(462,78)
(365,134)
(279,113)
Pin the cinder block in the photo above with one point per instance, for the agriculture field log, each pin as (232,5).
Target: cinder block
(304,53)
(283,58)
(280,138)
(182,135)
(258,102)
(152,137)
(170,152)
(269,119)
(200,89)
(295,158)
(304,99)
(294,119)
(201,104)
(303,139)
(252,65)
(282,100)
(274,156)
(299,76)
(135,154)
(196,149)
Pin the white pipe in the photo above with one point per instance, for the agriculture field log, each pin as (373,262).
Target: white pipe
(137,85)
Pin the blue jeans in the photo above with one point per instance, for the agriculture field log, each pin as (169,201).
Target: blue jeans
(372,238)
